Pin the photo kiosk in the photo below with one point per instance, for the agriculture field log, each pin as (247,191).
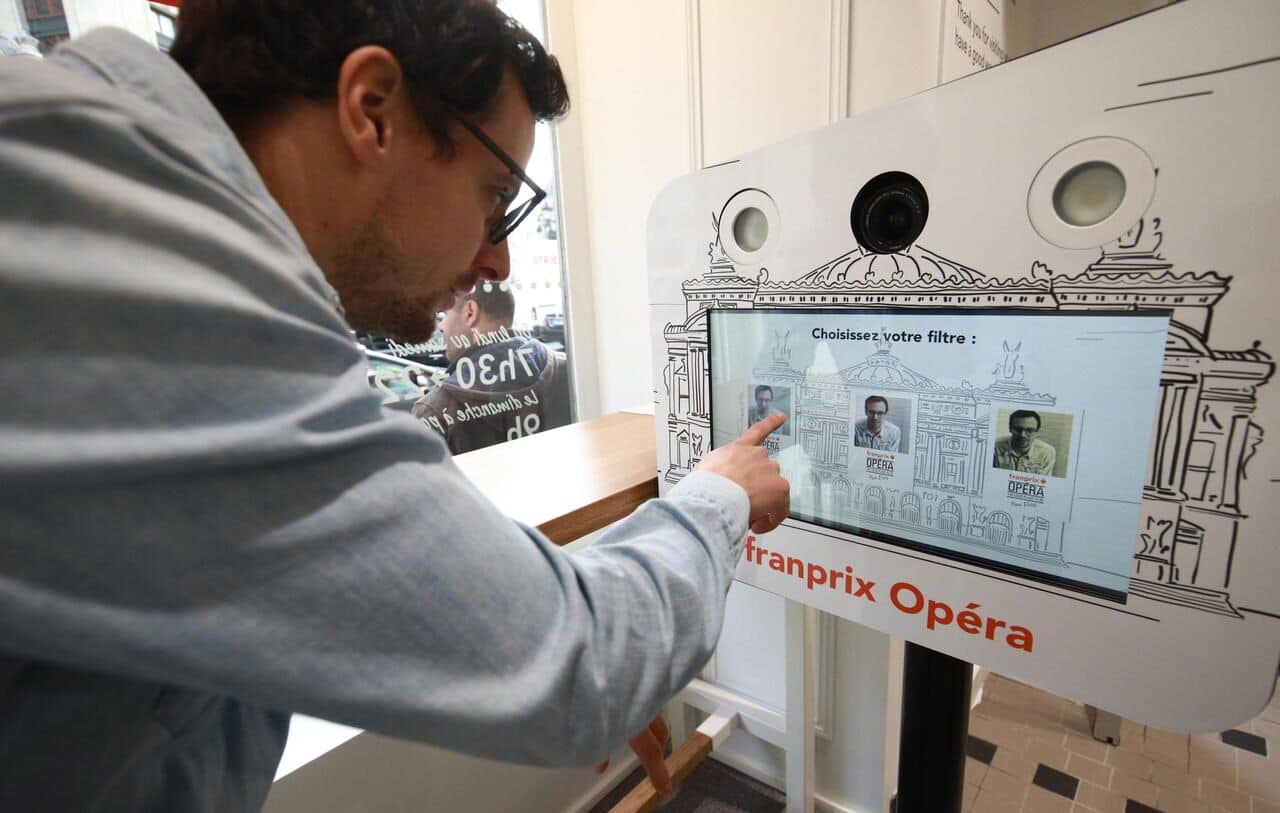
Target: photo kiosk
(1021,326)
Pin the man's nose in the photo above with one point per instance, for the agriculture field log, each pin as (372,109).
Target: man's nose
(492,262)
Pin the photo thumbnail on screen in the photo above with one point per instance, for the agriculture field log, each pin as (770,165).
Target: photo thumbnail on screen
(1013,440)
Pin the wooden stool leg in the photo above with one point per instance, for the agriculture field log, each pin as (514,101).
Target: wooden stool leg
(644,798)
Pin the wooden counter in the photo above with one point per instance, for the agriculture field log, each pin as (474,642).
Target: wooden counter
(571,481)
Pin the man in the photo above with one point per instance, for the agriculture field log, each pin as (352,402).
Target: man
(764,408)
(1022,450)
(873,431)
(214,519)
(498,386)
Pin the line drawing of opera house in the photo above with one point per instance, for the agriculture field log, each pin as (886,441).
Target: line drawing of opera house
(1204,437)
(950,450)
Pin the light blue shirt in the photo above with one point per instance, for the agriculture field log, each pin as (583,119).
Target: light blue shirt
(886,440)
(205,513)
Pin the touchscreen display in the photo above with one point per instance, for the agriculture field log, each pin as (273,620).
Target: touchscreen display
(1013,440)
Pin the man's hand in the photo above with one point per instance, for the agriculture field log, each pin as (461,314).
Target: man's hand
(649,746)
(745,462)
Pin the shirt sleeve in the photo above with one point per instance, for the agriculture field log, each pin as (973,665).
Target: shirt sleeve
(198,487)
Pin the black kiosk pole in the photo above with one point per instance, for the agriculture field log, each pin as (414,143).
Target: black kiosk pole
(935,729)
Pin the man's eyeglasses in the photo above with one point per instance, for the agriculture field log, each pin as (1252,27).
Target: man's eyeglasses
(517,208)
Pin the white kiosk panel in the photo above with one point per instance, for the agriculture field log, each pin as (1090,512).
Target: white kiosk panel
(1101,229)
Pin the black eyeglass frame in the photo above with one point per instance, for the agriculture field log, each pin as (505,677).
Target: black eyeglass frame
(510,220)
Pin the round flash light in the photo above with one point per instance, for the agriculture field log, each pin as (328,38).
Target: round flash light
(749,227)
(1091,192)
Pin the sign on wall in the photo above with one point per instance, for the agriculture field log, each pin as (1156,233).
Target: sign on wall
(974,36)
(1081,493)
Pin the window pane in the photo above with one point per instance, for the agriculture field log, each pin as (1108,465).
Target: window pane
(510,377)
(536,274)
(165,29)
(45,21)
(535,252)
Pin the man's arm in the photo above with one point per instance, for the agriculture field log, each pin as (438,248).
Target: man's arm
(198,487)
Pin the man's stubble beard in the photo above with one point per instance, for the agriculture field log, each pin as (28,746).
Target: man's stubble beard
(373,260)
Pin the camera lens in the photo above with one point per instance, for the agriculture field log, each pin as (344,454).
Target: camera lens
(889,212)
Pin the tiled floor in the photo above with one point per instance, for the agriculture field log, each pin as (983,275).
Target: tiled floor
(1031,752)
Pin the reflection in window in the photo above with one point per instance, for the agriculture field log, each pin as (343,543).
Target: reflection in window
(502,354)
(165,28)
(46,20)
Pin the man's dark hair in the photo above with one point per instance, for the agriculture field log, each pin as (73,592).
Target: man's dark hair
(880,398)
(495,300)
(1024,413)
(764,387)
(249,56)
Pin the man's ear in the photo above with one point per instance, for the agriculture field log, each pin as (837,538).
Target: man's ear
(470,313)
(371,95)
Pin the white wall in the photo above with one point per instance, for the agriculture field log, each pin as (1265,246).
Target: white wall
(132,15)
(750,55)
(10,18)
(1052,21)
(632,93)
(894,50)
(571,186)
